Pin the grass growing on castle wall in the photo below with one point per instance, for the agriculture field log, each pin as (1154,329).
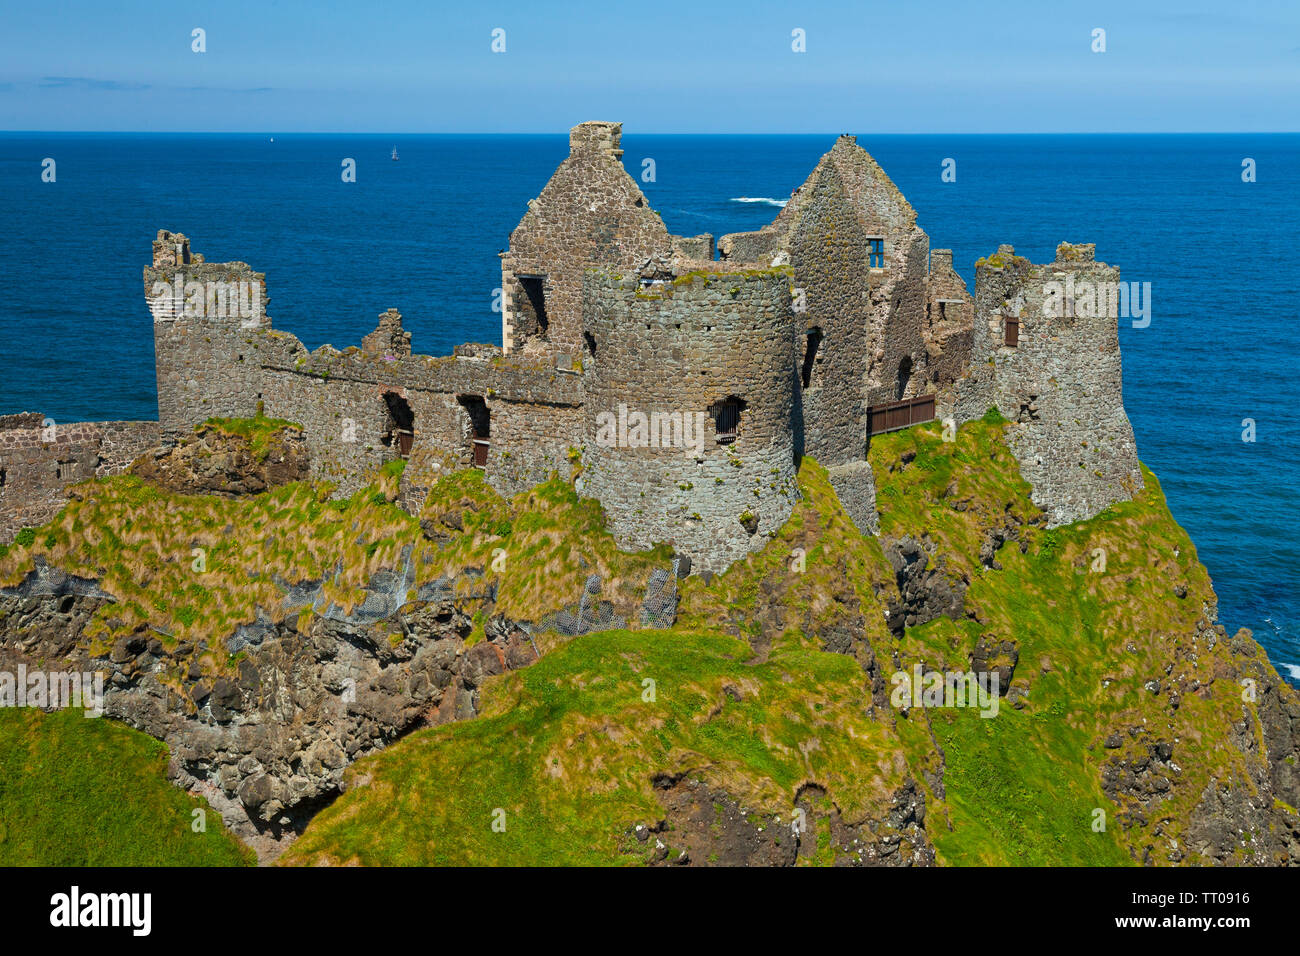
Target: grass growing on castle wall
(260,432)
(539,547)
(76,791)
(195,567)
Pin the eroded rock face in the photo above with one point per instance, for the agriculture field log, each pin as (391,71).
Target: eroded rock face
(267,741)
(925,591)
(704,826)
(215,463)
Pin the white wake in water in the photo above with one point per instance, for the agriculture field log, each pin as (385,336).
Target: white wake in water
(763,199)
(1293,670)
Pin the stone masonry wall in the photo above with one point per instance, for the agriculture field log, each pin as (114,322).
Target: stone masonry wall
(590,214)
(38,461)
(950,315)
(679,347)
(207,317)
(1060,385)
(828,252)
(339,399)
(897,355)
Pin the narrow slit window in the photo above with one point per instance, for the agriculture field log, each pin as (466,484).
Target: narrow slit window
(1011,336)
(810,354)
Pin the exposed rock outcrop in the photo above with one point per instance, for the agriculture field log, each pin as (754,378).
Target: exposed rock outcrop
(267,740)
(217,462)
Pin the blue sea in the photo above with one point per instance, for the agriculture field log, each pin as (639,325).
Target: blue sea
(422,235)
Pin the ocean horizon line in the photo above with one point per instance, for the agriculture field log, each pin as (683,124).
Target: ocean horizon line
(640,132)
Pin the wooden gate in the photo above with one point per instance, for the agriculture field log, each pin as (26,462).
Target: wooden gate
(480,452)
(894,415)
(405,439)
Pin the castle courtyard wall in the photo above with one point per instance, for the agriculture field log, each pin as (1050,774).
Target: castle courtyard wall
(39,462)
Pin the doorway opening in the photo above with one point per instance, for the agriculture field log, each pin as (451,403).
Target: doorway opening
(401,424)
(480,427)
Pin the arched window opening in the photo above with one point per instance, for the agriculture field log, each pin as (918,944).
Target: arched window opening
(480,427)
(400,423)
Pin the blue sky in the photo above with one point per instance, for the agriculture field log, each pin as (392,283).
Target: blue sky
(660,66)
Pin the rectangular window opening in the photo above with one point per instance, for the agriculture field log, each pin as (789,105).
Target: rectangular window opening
(876,252)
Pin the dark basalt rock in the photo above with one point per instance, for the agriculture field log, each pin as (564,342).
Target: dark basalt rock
(268,743)
(925,591)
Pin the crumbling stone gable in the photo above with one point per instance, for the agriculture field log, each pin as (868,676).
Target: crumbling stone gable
(878,204)
(591,213)
(39,460)
(1060,384)
(682,346)
(828,253)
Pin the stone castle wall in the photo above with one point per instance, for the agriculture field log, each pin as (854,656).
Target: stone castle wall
(606,311)
(207,317)
(591,213)
(679,348)
(1060,384)
(949,318)
(339,399)
(897,358)
(38,461)
(828,253)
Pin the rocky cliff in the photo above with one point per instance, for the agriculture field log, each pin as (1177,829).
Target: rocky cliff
(479,681)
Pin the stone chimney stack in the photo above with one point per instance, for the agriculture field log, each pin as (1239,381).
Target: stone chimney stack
(596,137)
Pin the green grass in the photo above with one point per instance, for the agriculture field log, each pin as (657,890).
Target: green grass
(568,747)
(78,791)
(260,432)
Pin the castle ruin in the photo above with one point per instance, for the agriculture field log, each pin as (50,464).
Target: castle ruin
(685,381)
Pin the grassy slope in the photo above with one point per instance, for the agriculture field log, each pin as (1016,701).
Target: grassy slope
(87,792)
(568,748)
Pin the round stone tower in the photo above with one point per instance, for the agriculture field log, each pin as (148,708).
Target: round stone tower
(690,392)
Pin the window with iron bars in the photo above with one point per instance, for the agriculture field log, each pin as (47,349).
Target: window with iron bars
(726,419)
